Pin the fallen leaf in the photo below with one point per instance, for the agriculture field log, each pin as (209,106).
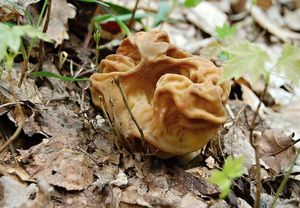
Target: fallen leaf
(12,8)
(61,12)
(121,179)
(28,90)
(286,117)
(276,149)
(190,200)
(15,193)
(59,163)
(271,26)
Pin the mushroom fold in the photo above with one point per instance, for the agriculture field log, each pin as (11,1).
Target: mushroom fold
(174,96)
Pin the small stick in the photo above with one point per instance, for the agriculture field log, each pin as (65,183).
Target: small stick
(117,82)
(255,146)
(21,113)
(285,179)
(110,123)
(41,43)
(13,137)
(133,14)
(89,34)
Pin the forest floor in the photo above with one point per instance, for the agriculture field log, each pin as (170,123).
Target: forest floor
(64,155)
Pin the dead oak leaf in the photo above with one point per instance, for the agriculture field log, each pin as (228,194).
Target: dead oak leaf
(59,163)
(276,149)
(12,9)
(61,11)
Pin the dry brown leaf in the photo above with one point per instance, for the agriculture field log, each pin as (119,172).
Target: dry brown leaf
(276,149)
(190,200)
(12,9)
(75,199)
(272,27)
(16,195)
(60,164)
(131,197)
(61,12)
(28,90)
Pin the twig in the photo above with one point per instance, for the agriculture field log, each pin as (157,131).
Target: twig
(89,34)
(110,123)
(255,146)
(133,14)
(41,43)
(229,111)
(32,42)
(285,179)
(13,137)
(20,127)
(10,104)
(117,82)
(23,72)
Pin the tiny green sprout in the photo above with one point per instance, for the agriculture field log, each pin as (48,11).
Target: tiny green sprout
(97,36)
(191,3)
(226,31)
(232,169)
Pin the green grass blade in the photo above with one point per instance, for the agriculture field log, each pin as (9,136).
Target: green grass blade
(53,75)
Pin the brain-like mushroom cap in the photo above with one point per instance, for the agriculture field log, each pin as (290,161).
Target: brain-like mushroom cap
(175,97)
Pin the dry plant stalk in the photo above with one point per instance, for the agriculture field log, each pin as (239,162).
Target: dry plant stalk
(175,97)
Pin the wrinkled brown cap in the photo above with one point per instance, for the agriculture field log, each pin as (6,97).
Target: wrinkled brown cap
(174,96)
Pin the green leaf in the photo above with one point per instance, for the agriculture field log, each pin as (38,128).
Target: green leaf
(219,178)
(103,18)
(225,31)
(3,42)
(164,9)
(244,58)
(118,8)
(191,3)
(123,17)
(14,40)
(34,33)
(11,36)
(232,169)
(63,78)
(289,62)
(123,26)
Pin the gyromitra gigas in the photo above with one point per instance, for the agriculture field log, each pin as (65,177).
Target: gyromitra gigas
(175,97)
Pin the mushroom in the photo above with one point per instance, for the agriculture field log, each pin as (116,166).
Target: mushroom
(174,96)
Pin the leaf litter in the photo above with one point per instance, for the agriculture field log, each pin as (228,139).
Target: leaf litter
(72,161)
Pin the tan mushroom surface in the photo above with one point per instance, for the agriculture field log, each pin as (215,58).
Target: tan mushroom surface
(174,96)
